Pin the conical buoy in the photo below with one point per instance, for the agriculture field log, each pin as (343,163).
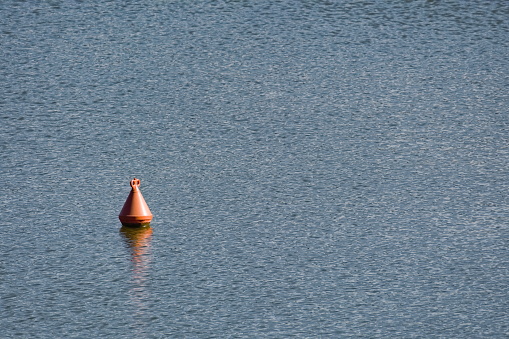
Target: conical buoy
(135,212)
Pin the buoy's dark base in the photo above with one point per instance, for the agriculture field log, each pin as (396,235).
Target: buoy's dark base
(136,225)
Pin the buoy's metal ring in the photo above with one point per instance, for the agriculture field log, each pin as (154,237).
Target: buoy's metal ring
(135,183)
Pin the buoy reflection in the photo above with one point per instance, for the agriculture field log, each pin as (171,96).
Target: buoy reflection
(138,243)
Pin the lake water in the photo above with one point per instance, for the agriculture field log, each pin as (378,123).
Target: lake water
(316,169)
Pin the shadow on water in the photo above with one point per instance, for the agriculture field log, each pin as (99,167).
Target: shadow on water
(137,241)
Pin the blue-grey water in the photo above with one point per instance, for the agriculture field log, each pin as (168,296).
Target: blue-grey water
(316,169)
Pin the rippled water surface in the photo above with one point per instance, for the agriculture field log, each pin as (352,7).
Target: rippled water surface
(315,168)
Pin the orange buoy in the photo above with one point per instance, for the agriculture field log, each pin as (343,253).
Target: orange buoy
(135,212)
